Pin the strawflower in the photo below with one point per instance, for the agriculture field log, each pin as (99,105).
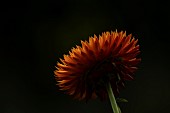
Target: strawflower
(99,66)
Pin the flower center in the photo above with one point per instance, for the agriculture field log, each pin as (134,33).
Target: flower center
(100,74)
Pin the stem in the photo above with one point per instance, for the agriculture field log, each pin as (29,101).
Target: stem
(112,99)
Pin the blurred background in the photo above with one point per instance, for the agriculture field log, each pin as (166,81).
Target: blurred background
(35,34)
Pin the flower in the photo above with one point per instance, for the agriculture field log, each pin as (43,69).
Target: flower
(110,58)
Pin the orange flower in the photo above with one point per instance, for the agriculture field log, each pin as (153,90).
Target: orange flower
(86,70)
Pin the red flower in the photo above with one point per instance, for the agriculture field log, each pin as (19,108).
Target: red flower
(86,70)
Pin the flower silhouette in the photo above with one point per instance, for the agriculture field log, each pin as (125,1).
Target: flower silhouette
(111,57)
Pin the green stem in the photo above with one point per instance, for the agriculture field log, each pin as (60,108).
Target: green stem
(112,99)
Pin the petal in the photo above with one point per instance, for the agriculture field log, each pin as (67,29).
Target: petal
(128,56)
(132,62)
(129,46)
(69,60)
(70,68)
(126,42)
(127,77)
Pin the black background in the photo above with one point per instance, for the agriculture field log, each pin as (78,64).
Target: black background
(35,34)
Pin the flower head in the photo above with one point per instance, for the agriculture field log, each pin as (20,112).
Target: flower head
(110,57)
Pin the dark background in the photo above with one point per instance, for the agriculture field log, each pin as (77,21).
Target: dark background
(35,34)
